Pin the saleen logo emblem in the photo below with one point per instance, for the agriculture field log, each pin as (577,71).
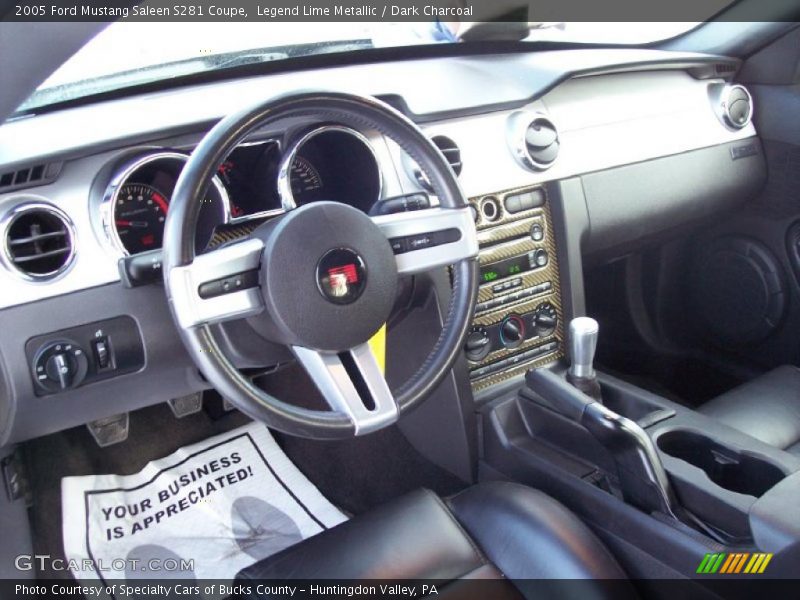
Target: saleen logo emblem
(339,279)
(341,276)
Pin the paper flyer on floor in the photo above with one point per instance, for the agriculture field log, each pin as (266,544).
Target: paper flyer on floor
(204,512)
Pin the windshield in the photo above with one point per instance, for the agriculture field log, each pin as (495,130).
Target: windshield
(131,53)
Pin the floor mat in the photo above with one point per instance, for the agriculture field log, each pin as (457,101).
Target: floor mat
(206,511)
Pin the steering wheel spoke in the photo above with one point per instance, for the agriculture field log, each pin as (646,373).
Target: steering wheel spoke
(425,239)
(353,385)
(221,285)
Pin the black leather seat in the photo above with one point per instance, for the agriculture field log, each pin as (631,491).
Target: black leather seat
(767,408)
(489,531)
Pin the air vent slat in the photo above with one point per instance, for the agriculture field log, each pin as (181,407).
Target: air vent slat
(451,152)
(26,259)
(37,240)
(43,236)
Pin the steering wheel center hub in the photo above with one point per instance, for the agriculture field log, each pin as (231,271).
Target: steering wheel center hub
(341,276)
(328,276)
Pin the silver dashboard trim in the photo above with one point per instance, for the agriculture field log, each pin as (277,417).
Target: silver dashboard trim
(405,224)
(184,282)
(649,114)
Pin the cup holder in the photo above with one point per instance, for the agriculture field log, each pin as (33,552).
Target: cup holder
(730,469)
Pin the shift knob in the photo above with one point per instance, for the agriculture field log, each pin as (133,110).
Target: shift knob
(582,345)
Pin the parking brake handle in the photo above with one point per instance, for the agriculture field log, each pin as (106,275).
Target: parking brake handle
(642,477)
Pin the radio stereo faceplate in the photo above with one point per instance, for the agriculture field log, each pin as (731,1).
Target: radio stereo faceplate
(518,323)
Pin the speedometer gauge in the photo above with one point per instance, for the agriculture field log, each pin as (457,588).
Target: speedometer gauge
(305,179)
(330,163)
(139,217)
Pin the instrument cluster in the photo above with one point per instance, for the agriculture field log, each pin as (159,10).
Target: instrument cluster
(257,180)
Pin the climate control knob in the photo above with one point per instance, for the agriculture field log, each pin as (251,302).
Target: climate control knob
(478,344)
(544,319)
(512,331)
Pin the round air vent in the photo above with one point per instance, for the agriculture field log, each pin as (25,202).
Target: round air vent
(534,140)
(37,241)
(452,154)
(735,106)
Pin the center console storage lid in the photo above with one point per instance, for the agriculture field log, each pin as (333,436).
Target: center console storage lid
(775,516)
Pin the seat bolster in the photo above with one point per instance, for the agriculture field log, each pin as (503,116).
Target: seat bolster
(528,535)
(414,537)
(767,408)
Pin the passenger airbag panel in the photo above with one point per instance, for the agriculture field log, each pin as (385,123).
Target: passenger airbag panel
(629,205)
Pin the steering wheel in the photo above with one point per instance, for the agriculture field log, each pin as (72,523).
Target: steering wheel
(322,278)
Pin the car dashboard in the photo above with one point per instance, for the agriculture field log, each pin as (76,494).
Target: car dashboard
(560,154)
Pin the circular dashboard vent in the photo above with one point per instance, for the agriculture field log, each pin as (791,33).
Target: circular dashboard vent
(735,106)
(38,241)
(534,140)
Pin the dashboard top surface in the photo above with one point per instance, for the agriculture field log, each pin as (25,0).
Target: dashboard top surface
(593,95)
(454,86)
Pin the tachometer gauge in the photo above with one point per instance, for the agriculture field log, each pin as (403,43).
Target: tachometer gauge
(134,208)
(139,217)
(305,180)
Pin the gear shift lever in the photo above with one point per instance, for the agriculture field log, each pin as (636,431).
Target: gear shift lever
(642,477)
(583,332)
(582,345)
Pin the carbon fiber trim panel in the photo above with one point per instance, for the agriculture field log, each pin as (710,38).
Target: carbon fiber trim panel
(232,233)
(514,229)
(509,236)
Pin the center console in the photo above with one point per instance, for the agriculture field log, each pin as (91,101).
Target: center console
(518,322)
(663,484)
